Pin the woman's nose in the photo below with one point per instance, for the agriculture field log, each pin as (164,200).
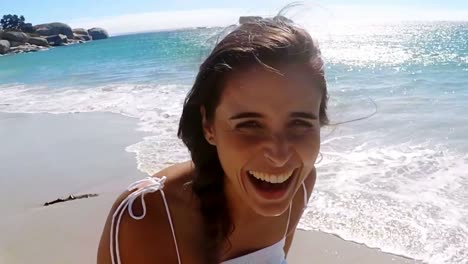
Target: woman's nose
(278,151)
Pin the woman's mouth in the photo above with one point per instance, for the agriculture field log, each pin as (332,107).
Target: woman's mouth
(271,186)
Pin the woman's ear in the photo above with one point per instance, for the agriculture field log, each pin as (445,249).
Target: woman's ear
(208,130)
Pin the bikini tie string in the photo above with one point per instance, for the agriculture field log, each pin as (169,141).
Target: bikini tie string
(141,187)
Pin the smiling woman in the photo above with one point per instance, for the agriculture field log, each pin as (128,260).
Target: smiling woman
(266,122)
(252,125)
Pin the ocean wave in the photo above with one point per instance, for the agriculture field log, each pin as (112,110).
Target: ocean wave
(409,198)
(158,108)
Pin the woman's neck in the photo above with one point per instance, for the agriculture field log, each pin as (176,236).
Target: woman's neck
(240,212)
(252,231)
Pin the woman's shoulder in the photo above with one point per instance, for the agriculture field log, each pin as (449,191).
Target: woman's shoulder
(178,175)
(169,184)
(146,215)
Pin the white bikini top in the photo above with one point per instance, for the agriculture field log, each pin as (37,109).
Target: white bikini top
(273,254)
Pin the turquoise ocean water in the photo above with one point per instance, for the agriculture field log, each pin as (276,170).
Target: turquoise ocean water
(397,180)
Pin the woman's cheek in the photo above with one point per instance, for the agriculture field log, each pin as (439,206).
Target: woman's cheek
(308,148)
(243,141)
(235,147)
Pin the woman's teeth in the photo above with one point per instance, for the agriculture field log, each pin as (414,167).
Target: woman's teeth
(271,178)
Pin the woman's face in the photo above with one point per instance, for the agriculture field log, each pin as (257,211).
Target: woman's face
(267,134)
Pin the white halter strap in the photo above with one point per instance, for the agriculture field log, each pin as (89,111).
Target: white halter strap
(306,199)
(142,187)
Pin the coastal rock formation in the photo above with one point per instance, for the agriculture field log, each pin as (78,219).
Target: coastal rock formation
(4,46)
(57,40)
(15,44)
(80,31)
(283,19)
(41,37)
(253,19)
(98,33)
(249,19)
(38,41)
(81,34)
(15,36)
(55,28)
(26,48)
(82,37)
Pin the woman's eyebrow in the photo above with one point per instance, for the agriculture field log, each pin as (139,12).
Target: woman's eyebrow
(246,115)
(305,115)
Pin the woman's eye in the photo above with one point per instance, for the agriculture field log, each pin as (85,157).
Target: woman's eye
(301,123)
(249,124)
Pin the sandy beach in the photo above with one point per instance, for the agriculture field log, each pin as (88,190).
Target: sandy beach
(45,156)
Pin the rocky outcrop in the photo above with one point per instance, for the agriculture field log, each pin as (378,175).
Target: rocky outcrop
(4,46)
(254,19)
(80,31)
(249,19)
(81,34)
(55,28)
(26,48)
(57,40)
(98,33)
(282,19)
(15,36)
(41,37)
(83,37)
(15,44)
(38,41)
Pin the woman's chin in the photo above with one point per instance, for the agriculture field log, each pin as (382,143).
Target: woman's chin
(270,210)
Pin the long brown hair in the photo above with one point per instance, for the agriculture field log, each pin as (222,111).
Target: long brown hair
(266,42)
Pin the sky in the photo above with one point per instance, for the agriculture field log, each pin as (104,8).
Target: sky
(120,17)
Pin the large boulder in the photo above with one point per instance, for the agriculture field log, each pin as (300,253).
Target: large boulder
(74,41)
(39,41)
(83,37)
(4,46)
(80,31)
(15,44)
(98,33)
(282,19)
(81,34)
(26,48)
(249,19)
(15,36)
(57,40)
(55,28)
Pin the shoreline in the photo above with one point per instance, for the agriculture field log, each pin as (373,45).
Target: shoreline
(47,156)
(325,248)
